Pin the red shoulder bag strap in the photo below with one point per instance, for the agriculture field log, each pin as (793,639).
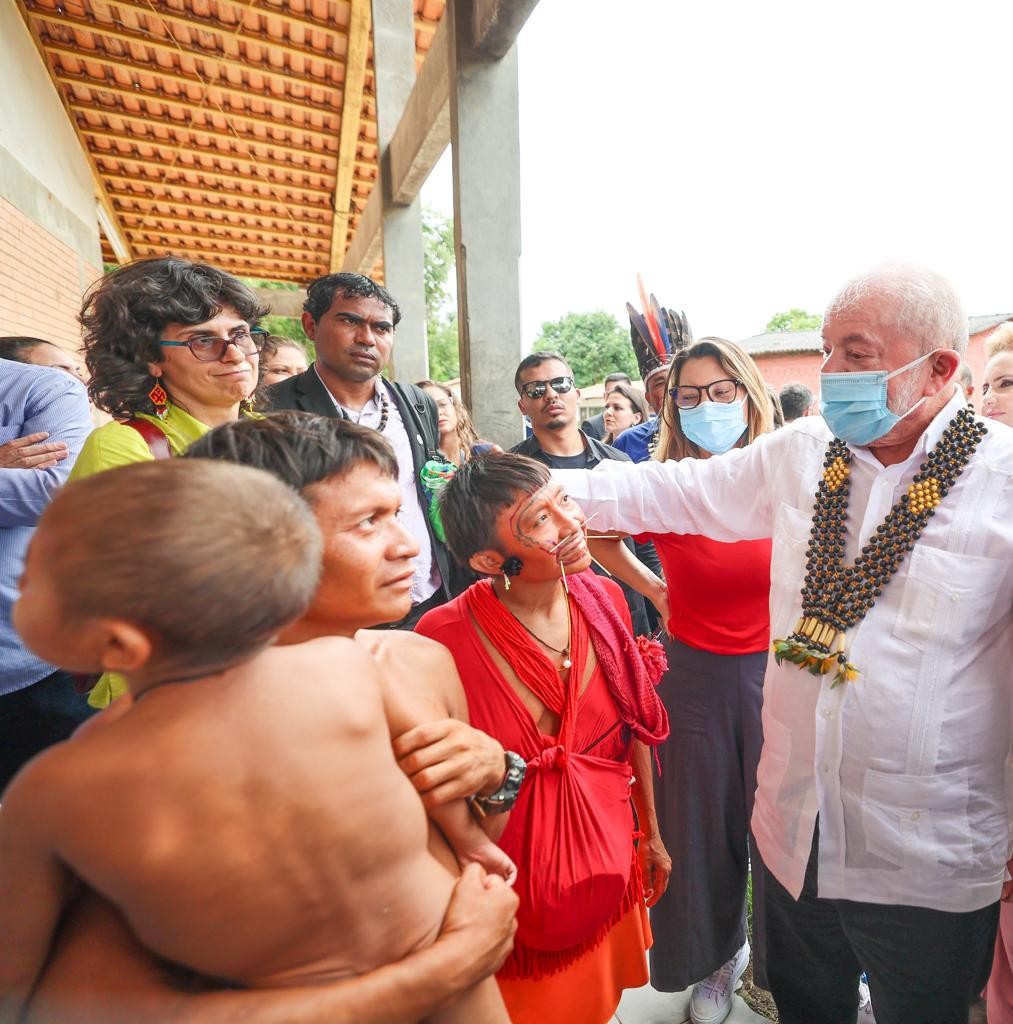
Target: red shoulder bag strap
(155,439)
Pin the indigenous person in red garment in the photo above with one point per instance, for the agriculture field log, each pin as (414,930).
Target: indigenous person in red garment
(713,689)
(552,671)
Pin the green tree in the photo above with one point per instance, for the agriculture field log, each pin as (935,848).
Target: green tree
(794,320)
(592,343)
(441,319)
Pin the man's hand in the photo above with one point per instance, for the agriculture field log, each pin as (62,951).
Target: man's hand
(659,598)
(30,453)
(449,760)
(481,920)
(655,866)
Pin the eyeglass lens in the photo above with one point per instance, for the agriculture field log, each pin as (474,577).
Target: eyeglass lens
(687,396)
(210,348)
(537,388)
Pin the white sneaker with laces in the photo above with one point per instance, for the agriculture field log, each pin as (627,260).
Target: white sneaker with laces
(865,1014)
(712,997)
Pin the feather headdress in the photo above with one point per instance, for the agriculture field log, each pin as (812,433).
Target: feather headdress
(657,334)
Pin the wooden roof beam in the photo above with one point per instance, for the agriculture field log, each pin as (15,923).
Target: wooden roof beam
(366,246)
(172,147)
(228,30)
(355,75)
(312,231)
(320,136)
(224,232)
(194,130)
(206,174)
(167,47)
(189,238)
(287,205)
(241,259)
(121,198)
(185,81)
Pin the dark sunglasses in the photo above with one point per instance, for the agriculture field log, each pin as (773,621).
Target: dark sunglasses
(211,349)
(537,388)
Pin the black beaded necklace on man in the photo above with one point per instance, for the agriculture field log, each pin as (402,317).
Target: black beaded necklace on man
(835,597)
(384,414)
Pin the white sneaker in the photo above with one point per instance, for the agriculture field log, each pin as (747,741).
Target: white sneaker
(712,997)
(865,1014)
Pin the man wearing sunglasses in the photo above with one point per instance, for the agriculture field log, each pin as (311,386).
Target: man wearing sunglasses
(549,397)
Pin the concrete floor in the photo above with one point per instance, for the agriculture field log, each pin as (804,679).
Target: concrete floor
(646,1006)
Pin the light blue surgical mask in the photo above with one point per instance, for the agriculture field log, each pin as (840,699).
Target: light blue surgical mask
(854,404)
(714,426)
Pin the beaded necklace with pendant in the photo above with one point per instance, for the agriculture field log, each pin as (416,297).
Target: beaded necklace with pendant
(836,597)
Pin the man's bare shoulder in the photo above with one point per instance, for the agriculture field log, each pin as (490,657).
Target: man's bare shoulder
(395,647)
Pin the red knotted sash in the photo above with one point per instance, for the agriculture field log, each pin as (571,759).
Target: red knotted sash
(571,831)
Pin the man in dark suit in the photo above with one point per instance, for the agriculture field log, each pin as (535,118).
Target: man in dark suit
(595,426)
(351,320)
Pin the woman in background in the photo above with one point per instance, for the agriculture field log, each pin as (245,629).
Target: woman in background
(458,437)
(625,407)
(281,358)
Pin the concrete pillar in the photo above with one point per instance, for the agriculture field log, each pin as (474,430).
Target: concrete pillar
(394,68)
(487,225)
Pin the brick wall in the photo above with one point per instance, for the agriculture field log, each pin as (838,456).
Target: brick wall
(42,281)
(799,367)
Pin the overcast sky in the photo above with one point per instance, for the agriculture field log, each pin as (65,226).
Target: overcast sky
(749,157)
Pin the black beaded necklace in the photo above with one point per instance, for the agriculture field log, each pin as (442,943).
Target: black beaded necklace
(384,414)
(835,597)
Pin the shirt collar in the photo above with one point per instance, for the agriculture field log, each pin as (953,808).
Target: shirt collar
(375,400)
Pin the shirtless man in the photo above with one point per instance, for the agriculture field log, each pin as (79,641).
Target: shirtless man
(100,975)
(264,788)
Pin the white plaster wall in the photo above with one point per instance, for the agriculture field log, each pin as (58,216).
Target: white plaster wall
(52,180)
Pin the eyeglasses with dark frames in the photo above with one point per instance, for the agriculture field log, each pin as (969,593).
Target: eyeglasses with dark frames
(537,388)
(724,391)
(211,349)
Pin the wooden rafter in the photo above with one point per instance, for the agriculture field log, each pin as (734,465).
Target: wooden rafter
(237,118)
(169,145)
(185,81)
(195,190)
(167,47)
(153,211)
(152,236)
(355,73)
(251,141)
(282,190)
(232,31)
(242,263)
(121,198)
(219,230)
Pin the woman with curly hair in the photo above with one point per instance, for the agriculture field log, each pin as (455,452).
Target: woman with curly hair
(457,433)
(172,350)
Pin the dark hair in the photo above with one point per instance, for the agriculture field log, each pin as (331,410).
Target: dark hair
(478,492)
(126,312)
(618,378)
(795,399)
(320,294)
(536,359)
(636,399)
(273,342)
(17,349)
(298,448)
(252,569)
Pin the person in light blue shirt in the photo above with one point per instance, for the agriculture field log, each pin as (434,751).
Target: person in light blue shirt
(44,419)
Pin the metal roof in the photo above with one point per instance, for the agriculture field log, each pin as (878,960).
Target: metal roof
(243,133)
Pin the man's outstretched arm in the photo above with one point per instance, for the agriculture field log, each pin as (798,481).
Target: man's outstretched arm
(100,975)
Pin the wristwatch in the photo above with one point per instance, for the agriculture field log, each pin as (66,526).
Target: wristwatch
(505,797)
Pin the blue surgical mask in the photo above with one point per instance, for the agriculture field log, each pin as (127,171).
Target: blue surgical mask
(714,426)
(854,404)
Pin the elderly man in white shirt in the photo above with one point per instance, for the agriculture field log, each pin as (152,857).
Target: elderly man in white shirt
(882,810)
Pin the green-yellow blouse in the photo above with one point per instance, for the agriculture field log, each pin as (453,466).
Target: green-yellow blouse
(115,444)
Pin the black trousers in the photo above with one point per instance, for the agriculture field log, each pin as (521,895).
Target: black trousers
(36,717)
(924,966)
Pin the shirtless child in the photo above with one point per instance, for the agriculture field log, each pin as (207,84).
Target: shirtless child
(246,815)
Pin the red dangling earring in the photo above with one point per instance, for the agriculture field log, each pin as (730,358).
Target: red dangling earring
(159,398)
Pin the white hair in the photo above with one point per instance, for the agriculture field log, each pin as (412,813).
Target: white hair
(923,304)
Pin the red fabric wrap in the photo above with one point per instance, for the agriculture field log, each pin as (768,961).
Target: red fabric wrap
(571,831)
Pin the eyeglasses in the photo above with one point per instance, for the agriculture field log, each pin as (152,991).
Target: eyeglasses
(687,396)
(210,349)
(537,388)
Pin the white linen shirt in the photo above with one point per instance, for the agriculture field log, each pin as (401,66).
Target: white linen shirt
(908,766)
(426,577)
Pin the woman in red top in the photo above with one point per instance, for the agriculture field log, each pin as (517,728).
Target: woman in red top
(719,635)
(551,669)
